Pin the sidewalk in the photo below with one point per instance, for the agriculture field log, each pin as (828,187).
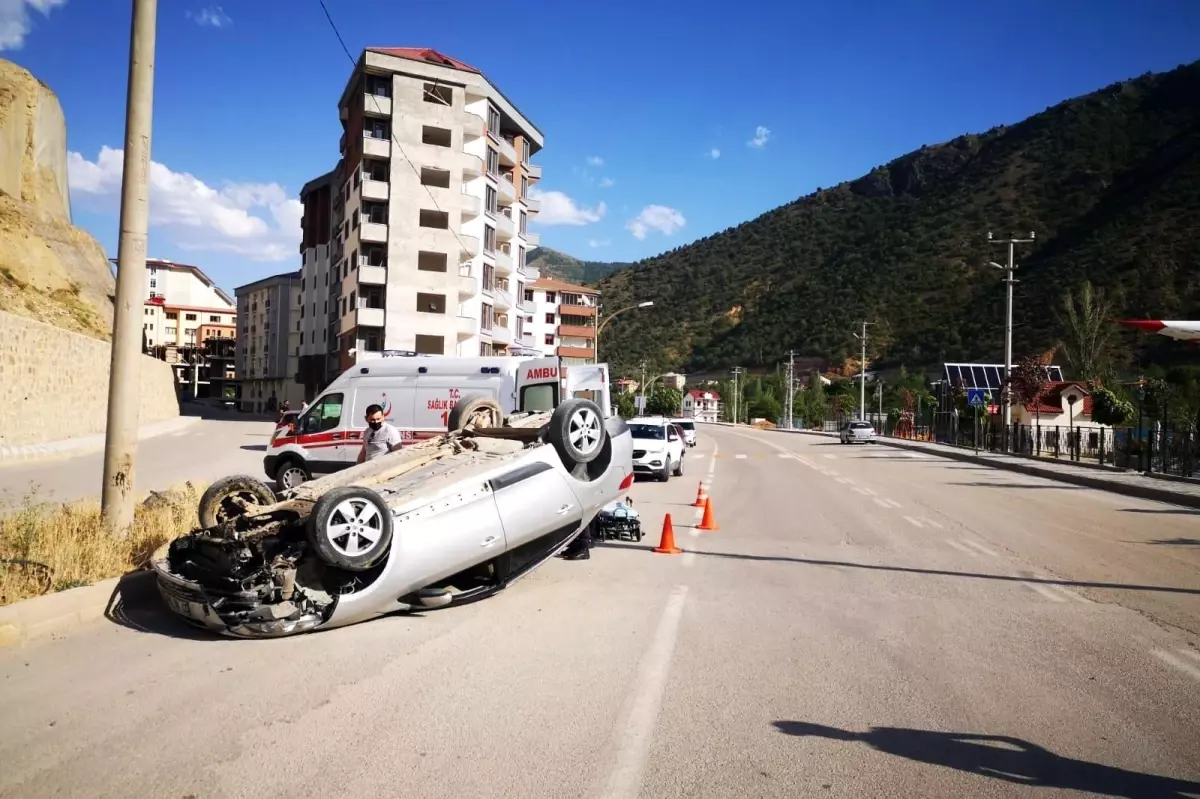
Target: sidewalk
(1106,478)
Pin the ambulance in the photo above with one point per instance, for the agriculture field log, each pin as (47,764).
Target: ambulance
(416,393)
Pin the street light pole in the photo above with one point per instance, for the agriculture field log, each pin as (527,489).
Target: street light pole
(1008,319)
(790,388)
(862,370)
(646,304)
(120,441)
(737,370)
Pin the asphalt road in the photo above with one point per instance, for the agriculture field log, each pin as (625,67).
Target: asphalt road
(864,624)
(203,451)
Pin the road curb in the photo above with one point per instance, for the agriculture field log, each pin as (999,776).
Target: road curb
(1127,489)
(83,445)
(54,614)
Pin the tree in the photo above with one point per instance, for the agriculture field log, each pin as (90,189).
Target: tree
(1089,332)
(626,405)
(1027,382)
(664,402)
(1109,408)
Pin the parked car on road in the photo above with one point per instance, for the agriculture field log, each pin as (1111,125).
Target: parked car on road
(445,522)
(857,432)
(689,430)
(657,447)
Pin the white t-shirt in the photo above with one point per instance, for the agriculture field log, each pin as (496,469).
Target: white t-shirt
(378,441)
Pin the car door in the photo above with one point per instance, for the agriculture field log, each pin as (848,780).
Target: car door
(452,532)
(322,437)
(534,499)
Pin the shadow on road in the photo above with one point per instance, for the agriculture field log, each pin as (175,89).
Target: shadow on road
(1056,487)
(1175,542)
(1001,757)
(841,564)
(254,447)
(1183,511)
(135,604)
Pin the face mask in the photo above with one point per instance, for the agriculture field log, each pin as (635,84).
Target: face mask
(375,425)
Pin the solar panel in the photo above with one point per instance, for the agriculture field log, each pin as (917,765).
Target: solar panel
(986,375)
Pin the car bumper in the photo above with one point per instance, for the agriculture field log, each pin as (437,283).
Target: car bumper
(860,440)
(650,463)
(188,600)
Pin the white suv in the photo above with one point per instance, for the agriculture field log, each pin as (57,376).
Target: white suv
(688,426)
(657,447)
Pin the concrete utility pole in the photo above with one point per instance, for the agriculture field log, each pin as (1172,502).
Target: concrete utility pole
(791,385)
(737,370)
(862,373)
(120,442)
(1008,318)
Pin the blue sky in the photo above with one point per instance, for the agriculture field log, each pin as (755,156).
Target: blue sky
(665,121)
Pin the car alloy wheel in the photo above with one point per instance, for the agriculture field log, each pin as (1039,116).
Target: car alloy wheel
(584,431)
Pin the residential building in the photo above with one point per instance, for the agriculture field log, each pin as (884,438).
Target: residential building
(183,308)
(268,351)
(674,380)
(1064,404)
(416,241)
(562,319)
(702,405)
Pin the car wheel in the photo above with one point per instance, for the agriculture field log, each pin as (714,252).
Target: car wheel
(477,411)
(350,527)
(231,497)
(291,474)
(665,475)
(577,431)
(678,468)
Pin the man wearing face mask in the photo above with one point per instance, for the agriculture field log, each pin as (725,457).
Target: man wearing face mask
(380,437)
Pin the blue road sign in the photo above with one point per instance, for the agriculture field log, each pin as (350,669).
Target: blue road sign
(976,398)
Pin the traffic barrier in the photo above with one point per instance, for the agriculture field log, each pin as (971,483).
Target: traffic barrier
(666,546)
(708,522)
(701,497)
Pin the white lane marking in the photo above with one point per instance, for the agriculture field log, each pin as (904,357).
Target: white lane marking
(787,455)
(913,521)
(1046,592)
(1069,594)
(830,456)
(832,473)
(633,737)
(1173,659)
(688,559)
(979,548)
(870,493)
(866,492)
(960,547)
(842,480)
(1193,654)
(806,462)
(890,503)
(695,533)
(740,456)
(880,502)
(932,522)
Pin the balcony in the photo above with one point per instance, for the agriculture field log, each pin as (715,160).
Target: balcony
(472,166)
(501,334)
(376,190)
(502,298)
(375,232)
(575,352)
(466,326)
(362,317)
(533,239)
(525,306)
(470,205)
(377,148)
(468,286)
(372,275)
(577,331)
(473,126)
(505,229)
(577,310)
(534,171)
(508,153)
(376,106)
(467,245)
(506,192)
(504,264)
(532,206)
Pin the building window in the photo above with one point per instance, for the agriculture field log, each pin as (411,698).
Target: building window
(430,345)
(216,320)
(524,187)
(439,95)
(435,219)
(376,213)
(354,220)
(551,298)
(493,120)
(493,162)
(191,317)
(528,295)
(375,129)
(431,303)
(379,85)
(172,315)
(169,330)
(489,277)
(550,338)
(485,317)
(550,318)
(438,137)
(524,222)
(521,258)
(491,205)
(435,177)
(489,238)
(153,283)
(431,261)
(375,170)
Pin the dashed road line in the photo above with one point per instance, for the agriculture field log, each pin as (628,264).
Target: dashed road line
(959,547)
(913,521)
(932,522)
(866,492)
(787,455)
(1046,592)
(843,480)
(1057,593)
(740,456)
(830,456)
(890,503)
(1174,659)
(979,548)
(881,502)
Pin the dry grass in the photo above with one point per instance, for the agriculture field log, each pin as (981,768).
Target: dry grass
(51,547)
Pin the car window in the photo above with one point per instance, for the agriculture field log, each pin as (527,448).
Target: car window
(687,425)
(861,426)
(652,431)
(539,397)
(325,415)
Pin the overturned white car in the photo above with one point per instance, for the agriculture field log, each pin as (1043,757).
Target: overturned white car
(445,522)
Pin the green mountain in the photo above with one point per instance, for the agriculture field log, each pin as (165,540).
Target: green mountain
(1110,183)
(553,263)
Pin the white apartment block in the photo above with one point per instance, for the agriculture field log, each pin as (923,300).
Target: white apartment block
(563,320)
(417,240)
(183,307)
(269,343)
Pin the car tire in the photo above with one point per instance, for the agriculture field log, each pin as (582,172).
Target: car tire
(577,431)
(678,471)
(291,474)
(232,497)
(665,475)
(350,527)
(479,411)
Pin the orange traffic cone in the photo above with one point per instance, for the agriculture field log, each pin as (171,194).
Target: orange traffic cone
(667,545)
(708,522)
(701,497)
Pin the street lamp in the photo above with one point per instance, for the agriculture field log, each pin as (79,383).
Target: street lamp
(1008,270)
(611,316)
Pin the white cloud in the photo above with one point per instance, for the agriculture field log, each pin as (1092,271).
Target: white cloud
(599,242)
(714,153)
(259,221)
(595,160)
(15,21)
(559,209)
(761,134)
(606,183)
(655,217)
(214,16)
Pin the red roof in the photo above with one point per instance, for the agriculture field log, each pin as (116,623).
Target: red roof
(425,54)
(1050,400)
(698,393)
